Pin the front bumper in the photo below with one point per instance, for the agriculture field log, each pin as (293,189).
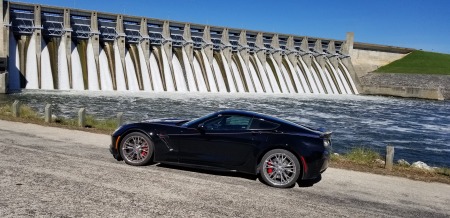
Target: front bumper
(115,152)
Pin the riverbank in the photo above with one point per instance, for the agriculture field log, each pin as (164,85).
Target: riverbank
(376,166)
(366,161)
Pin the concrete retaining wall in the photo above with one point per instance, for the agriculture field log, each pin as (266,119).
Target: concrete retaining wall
(369,57)
(402,91)
(365,61)
(407,85)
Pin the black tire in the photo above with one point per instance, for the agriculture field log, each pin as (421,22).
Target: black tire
(136,149)
(279,168)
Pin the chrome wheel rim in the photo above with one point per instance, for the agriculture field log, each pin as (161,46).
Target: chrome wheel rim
(279,169)
(135,149)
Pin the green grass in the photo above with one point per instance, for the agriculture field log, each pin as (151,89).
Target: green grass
(29,113)
(420,62)
(362,155)
(24,111)
(91,122)
(5,110)
(106,124)
(443,171)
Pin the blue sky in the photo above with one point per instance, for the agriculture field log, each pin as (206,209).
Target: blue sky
(420,24)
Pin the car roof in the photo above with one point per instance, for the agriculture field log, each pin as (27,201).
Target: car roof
(266,117)
(245,113)
(262,116)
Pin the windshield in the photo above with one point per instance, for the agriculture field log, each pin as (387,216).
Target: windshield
(206,117)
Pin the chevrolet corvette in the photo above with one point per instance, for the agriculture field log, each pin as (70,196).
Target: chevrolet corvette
(280,152)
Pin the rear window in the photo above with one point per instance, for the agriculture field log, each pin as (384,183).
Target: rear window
(263,124)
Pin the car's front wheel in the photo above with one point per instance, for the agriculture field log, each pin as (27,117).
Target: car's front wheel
(279,168)
(136,149)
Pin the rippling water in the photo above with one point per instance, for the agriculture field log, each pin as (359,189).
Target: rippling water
(419,129)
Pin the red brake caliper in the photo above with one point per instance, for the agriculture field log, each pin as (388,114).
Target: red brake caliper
(269,170)
(143,153)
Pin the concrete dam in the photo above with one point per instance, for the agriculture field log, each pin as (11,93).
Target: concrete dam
(54,48)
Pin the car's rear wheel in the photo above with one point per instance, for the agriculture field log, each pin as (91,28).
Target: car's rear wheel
(279,168)
(136,149)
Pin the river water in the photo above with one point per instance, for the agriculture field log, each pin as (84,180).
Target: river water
(419,129)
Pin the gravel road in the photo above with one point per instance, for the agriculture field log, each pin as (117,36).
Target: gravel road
(52,172)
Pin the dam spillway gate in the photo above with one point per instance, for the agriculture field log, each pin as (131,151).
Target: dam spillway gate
(69,49)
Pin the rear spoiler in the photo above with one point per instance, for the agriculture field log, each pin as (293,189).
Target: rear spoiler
(326,134)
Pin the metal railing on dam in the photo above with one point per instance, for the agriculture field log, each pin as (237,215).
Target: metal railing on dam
(61,48)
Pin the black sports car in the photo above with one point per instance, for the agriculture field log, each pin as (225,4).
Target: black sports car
(279,151)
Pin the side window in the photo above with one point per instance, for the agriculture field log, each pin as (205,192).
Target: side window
(238,121)
(228,123)
(263,124)
(214,124)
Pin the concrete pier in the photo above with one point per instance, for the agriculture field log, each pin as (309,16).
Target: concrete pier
(37,33)
(4,48)
(68,36)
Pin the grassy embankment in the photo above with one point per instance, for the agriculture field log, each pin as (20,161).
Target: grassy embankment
(29,115)
(359,158)
(419,62)
(365,159)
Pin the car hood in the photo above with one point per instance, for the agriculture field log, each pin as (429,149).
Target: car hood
(167,121)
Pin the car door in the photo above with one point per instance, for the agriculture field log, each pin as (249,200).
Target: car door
(224,141)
